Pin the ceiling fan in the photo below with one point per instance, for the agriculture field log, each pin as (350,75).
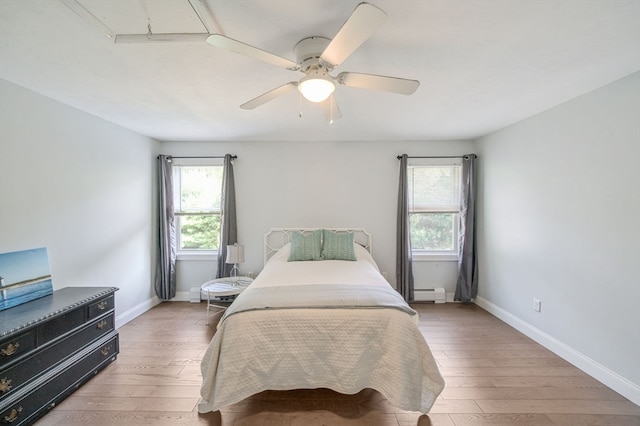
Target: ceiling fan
(316,57)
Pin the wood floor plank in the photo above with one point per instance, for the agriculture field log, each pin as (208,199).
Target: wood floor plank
(565,406)
(145,379)
(539,393)
(485,346)
(455,406)
(594,420)
(491,354)
(511,371)
(126,358)
(464,362)
(544,381)
(135,418)
(154,370)
(169,353)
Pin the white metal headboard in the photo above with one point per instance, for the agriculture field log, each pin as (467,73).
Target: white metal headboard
(277,238)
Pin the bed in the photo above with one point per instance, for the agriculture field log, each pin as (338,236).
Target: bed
(323,323)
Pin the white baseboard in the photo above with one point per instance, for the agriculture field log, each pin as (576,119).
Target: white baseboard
(182,296)
(136,311)
(599,372)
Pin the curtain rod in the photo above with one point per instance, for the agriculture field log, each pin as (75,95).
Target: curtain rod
(445,156)
(233,157)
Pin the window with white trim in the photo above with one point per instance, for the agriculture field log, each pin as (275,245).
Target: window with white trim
(197,189)
(434,206)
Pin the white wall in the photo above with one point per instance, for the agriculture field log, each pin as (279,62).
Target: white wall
(559,220)
(316,184)
(82,187)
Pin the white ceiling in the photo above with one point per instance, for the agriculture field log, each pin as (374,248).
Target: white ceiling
(482,64)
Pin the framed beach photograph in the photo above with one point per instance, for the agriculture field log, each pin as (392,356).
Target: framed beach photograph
(24,276)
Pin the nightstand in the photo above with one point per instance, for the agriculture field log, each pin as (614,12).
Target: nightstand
(224,290)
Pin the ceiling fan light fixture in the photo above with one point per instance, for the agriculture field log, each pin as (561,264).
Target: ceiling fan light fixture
(316,88)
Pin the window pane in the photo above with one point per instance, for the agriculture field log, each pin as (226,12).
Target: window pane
(434,187)
(199,232)
(433,231)
(200,188)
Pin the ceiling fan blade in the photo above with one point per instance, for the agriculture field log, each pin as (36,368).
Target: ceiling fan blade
(330,109)
(269,96)
(362,23)
(402,86)
(224,42)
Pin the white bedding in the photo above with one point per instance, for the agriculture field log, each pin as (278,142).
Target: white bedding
(346,350)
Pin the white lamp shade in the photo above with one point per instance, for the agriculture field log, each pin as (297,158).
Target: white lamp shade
(235,254)
(316,89)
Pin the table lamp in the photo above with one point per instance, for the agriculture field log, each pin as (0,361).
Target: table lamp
(235,255)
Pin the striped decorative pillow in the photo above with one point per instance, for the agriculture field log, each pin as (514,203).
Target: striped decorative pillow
(337,246)
(306,247)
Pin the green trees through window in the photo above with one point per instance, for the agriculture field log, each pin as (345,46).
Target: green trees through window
(199,232)
(434,200)
(197,200)
(432,231)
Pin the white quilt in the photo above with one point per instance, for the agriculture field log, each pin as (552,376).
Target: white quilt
(346,350)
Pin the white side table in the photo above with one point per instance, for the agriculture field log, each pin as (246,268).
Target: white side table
(221,287)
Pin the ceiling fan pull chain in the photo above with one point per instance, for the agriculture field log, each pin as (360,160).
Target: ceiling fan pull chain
(146,12)
(331,111)
(299,105)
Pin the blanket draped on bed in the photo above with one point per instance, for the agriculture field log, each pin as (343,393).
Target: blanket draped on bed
(320,324)
(325,296)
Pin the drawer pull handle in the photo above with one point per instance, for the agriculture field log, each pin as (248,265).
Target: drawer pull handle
(101,324)
(102,305)
(13,415)
(10,349)
(106,350)
(5,385)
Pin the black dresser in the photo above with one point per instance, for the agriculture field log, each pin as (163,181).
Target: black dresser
(51,346)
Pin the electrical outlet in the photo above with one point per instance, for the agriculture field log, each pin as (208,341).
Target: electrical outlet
(537,305)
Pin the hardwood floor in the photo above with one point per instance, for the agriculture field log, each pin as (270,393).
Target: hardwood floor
(494,376)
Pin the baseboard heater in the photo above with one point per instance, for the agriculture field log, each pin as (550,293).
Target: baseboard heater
(194,295)
(429,295)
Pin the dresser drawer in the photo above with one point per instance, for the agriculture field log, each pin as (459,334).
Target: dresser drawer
(60,325)
(13,348)
(101,307)
(31,367)
(28,408)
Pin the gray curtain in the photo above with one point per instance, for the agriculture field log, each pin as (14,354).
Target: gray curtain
(165,284)
(228,224)
(467,284)
(404,268)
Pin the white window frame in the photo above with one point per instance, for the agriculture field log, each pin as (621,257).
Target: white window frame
(445,255)
(193,254)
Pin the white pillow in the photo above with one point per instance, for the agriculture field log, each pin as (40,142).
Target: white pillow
(282,255)
(363,254)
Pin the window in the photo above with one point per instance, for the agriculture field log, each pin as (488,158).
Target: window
(197,191)
(434,204)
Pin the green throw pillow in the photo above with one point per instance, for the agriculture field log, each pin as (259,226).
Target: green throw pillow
(337,246)
(305,247)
